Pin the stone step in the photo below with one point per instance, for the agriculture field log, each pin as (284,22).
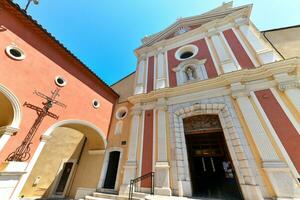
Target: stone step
(105,196)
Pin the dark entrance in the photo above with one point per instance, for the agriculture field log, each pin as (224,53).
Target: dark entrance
(112,170)
(211,169)
(66,172)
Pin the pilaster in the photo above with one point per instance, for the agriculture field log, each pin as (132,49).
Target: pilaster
(222,51)
(161,78)
(130,166)
(291,87)
(162,174)
(265,53)
(141,75)
(5,133)
(277,170)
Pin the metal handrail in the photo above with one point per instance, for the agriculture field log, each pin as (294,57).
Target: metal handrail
(138,179)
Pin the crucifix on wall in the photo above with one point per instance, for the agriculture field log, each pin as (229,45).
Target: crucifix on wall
(22,153)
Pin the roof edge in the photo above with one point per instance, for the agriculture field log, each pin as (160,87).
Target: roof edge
(48,34)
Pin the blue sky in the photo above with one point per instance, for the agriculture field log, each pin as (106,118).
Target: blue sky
(104,33)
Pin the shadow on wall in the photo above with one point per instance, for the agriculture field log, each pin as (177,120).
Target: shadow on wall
(66,163)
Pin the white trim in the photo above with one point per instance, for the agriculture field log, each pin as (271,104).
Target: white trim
(275,136)
(29,168)
(96,101)
(105,165)
(167,69)
(139,169)
(212,55)
(60,84)
(154,141)
(240,161)
(286,110)
(15,47)
(146,76)
(186,48)
(123,108)
(15,104)
(231,54)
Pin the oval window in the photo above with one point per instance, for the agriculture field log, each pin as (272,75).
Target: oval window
(15,52)
(60,81)
(186,52)
(96,103)
(121,113)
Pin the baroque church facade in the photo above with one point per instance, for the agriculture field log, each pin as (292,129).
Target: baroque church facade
(212,111)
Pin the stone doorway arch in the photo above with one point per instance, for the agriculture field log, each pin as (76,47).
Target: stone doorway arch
(246,179)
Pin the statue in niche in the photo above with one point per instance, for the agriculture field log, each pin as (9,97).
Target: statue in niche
(189,73)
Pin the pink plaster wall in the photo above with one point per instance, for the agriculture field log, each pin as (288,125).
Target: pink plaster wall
(45,60)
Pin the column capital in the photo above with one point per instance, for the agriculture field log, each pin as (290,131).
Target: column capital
(8,130)
(286,82)
(161,104)
(239,90)
(282,86)
(211,32)
(136,112)
(142,57)
(241,21)
(160,50)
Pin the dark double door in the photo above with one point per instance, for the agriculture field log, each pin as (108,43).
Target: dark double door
(212,173)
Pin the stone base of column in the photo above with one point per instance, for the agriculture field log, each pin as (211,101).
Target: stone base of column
(129,174)
(184,188)
(162,179)
(10,174)
(282,180)
(251,192)
(163,191)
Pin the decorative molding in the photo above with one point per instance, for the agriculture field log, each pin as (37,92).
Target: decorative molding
(239,90)
(153,42)
(8,130)
(233,139)
(224,80)
(15,104)
(288,85)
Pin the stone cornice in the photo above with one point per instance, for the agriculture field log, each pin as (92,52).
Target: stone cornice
(8,130)
(229,19)
(224,80)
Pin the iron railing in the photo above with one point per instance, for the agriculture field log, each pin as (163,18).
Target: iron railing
(134,182)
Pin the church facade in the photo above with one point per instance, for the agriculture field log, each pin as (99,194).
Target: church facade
(212,111)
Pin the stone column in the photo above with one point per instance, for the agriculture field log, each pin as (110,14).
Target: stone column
(5,133)
(130,166)
(277,170)
(162,174)
(291,87)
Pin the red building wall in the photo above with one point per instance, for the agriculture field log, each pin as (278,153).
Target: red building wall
(203,53)
(44,60)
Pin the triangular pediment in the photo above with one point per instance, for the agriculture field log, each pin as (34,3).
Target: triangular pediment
(186,24)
